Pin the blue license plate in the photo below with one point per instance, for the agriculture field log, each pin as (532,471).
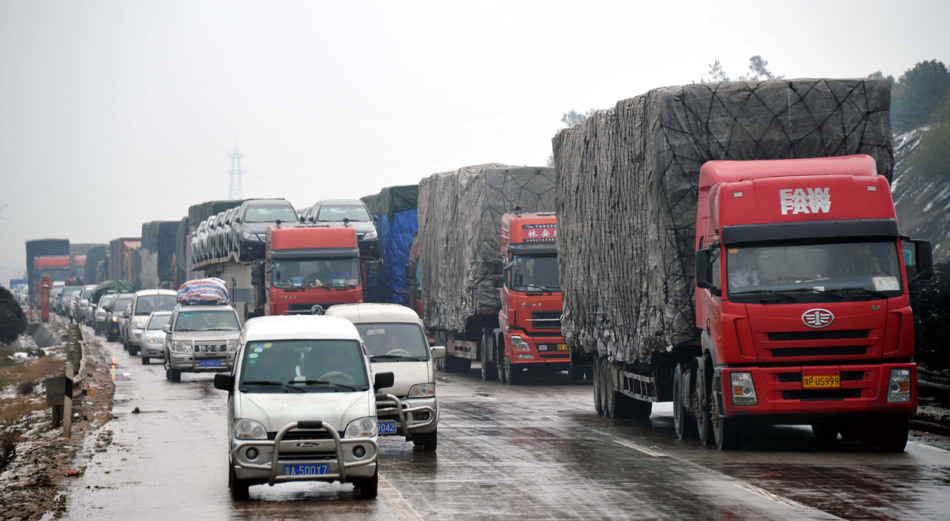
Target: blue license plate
(209,363)
(306,469)
(387,427)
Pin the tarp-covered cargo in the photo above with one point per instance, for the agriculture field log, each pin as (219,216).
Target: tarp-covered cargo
(203,291)
(627,192)
(459,228)
(94,257)
(394,212)
(112,286)
(182,257)
(158,241)
(120,257)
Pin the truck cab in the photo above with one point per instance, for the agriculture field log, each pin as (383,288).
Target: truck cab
(310,268)
(54,266)
(802,299)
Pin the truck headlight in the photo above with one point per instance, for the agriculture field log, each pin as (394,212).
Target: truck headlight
(181,347)
(245,429)
(743,389)
(370,236)
(519,344)
(898,388)
(361,428)
(422,390)
(250,236)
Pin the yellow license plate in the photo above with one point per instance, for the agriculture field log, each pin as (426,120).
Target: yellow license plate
(822,381)
(562,347)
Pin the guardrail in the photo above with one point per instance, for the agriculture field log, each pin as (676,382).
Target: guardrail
(59,390)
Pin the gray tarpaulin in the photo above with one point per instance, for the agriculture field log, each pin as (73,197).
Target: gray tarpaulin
(459,227)
(627,191)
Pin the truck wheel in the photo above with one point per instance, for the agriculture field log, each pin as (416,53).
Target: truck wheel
(887,432)
(575,373)
(598,403)
(428,442)
(238,487)
(368,488)
(682,426)
(513,373)
(725,430)
(702,414)
(489,369)
(609,395)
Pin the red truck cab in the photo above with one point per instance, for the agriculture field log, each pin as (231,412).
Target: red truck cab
(56,267)
(310,268)
(802,299)
(531,299)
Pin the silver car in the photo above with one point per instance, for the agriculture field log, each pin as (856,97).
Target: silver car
(353,212)
(153,339)
(200,339)
(103,312)
(146,302)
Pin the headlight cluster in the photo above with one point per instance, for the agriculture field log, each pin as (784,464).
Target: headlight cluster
(249,429)
(743,389)
(232,344)
(422,390)
(180,346)
(898,388)
(250,236)
(361,428)
(370,236)
(518,344)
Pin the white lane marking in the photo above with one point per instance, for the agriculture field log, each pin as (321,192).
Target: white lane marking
(761,492)
(551,416)
(634,446)
(392,496)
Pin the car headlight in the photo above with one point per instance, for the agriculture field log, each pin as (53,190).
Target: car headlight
(180,346)
(425,390)
(361,428)
(245,429)
(115,319)
(519,344)
(232,344)
(370,235)
(249,236)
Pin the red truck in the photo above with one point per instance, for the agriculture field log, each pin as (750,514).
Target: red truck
(56,267)
(529,320)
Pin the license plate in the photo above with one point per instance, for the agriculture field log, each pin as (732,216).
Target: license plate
(306,469)
(562,347)
(387,427)
(821,381)
(209,363)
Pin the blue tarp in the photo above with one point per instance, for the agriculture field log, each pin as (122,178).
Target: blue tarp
(396,231)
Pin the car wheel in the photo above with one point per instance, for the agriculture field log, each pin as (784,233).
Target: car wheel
(428,442)
(144,360)
(368,488)
(238,487)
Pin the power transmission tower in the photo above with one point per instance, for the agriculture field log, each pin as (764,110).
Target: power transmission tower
(234,191)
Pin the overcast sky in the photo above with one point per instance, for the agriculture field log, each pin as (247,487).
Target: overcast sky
(117,113)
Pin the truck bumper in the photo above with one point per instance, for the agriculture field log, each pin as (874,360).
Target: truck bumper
(544,350)
(780,391)
(324,456)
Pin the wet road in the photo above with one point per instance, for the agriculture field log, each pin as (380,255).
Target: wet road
(536,451)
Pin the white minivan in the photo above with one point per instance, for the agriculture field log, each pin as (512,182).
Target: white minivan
(301,405)
(396,342)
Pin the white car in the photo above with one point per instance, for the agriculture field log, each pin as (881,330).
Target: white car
(153,339)
(301,405)
(146,302)
(396,342)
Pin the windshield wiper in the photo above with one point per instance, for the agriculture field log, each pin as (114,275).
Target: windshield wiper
(322,382)
(762,293)
(812,291)
(270,383)
(860,291)
(397,357)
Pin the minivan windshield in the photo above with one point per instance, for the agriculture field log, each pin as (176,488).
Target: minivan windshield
(350,212)
(207,320)
(148,304)
(394,341)
(303,366)
(270,214)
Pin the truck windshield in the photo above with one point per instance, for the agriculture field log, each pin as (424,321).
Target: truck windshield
(336,214)
(279,366)
(804,271)
(316,273)
(158,321)
(224,320)
(54,273)
(534,271)
(148,304)
(394,341)
(270,214)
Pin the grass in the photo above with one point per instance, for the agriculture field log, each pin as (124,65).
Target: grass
(31,371)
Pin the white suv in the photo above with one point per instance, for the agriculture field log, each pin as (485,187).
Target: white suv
(396,342)
(301,405)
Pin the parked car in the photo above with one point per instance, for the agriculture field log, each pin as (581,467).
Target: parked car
(123,301)
(103,311)
(251,221)
(86,305)
(146,302)
(325,430)
(354,212)
(200,339)
(395,340)
(153,339)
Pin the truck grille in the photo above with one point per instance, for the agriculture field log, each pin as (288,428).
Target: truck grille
(841,334)
(783,352)
(304,309)
(546,320)
(210,348)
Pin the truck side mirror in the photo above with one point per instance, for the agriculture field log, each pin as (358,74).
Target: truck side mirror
(383,381)
(704,272)
(224,382)
(497,267)
(921,265)
(498,281)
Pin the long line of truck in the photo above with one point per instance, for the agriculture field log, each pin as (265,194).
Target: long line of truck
(695,244)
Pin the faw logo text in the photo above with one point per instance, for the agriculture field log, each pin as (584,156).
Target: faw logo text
(808,200)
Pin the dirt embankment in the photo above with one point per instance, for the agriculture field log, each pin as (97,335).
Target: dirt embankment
(35,459)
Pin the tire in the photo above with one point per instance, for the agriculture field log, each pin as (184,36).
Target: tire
(144,360)
(575,374)
(825,431)
(513,373)
(598,403)
(428,442)
(238,487)
(726,432)
(682,424)
(889,433)
(489,369)
(631,408)
(173,375)
(609,395)
(367,488)
(462,365)
(703,427)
